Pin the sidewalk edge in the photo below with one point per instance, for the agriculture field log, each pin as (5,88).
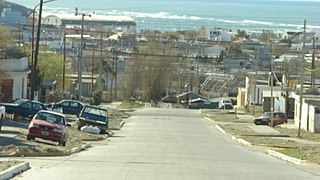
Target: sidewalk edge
(14,170)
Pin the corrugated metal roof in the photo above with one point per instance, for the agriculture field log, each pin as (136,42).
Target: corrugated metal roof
(93,17)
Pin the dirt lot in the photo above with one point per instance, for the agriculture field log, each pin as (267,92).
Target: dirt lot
(285,143)
(19,146)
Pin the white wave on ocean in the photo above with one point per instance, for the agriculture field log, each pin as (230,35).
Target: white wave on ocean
(166,19)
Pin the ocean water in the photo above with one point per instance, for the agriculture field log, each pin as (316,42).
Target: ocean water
(174,15)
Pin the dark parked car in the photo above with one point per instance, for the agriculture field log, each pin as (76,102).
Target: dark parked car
(67,106)
(94,116)
(50,126)
(265,119)
(24,107)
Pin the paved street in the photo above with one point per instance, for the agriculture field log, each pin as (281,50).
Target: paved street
(165,144)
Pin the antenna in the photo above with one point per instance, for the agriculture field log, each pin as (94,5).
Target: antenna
(76,13)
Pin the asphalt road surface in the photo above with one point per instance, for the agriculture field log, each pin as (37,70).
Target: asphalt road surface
(165,144)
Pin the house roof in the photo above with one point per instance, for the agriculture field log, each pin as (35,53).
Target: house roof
(313,102)
(93,17)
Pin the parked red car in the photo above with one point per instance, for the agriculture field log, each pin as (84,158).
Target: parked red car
(265,119)
(49,125)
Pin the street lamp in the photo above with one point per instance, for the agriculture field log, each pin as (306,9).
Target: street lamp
(35,59)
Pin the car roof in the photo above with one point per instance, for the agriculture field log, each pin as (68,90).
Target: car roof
(28,100)
(71,100)
(52,112)
(98,107)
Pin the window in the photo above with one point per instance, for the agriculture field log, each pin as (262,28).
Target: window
(27,105)
(74,104)
(65,103)
(37,106)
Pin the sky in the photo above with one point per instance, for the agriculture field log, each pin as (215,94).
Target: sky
(77,3)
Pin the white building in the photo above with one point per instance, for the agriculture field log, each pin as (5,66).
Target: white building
(15,81)
(310,112)
(218,35)
(119,23)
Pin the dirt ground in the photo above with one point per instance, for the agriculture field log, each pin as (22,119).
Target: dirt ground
(20,146)
(282,143)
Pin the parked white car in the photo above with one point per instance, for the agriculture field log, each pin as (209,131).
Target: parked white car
(225,104)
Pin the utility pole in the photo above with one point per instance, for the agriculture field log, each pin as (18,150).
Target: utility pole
(112,74)
(64,62)
(100,64)
(255,83)
(35,63)
(116,77)
(302,74)
(80,60)
(271,80)
(92,68)
(313,68)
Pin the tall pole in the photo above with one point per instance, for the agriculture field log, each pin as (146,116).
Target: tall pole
(64,62)
(116,77)
(302,75)
(271,83)
(313,72)
(35,63)
(100,64)
(92,67)
(80,55)
(33,66)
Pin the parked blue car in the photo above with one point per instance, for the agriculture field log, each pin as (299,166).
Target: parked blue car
(24,107)
(67,107)
(94,116)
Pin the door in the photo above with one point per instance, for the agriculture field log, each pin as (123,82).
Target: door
(6,86)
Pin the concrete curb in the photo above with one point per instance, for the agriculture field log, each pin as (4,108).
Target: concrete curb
(269,151)
(286,158)
(14,170)
(121,124)
(49,154)
(220,129)
(80,148)
(241,141)
(208,119)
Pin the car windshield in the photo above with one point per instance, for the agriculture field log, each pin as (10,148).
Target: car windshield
(19,101)
(50,117)
(95,111)
(266,115)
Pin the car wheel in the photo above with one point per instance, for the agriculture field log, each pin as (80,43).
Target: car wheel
(257,122)
(29,137)
(1,120)
(269,123)
(16,117)
(62,143)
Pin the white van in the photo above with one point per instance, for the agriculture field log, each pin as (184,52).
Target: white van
(225,104)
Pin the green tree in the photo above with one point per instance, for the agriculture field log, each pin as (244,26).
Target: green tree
(51,67)
(6,38)
(241,33)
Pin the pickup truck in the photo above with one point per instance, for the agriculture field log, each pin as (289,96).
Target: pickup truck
(2,114)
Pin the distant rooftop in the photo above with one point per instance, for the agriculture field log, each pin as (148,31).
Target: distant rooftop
(94,17)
